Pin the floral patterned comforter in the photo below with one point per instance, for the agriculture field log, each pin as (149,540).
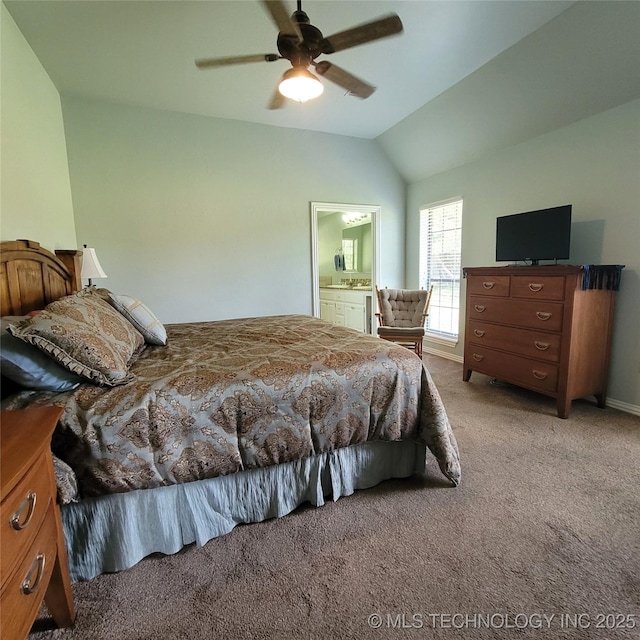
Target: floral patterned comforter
(226,396)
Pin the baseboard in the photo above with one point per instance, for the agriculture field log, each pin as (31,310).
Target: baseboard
(623,406)
(634,409)
(443,354)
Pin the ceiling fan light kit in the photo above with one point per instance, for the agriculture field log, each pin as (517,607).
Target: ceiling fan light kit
(300,85)
(301,43)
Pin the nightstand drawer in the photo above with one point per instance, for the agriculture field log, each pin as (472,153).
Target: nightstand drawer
(23,592)
(488,286)
(22,513)
(33,547)
(524,342)
(538,287)
(546,316)
(504,366)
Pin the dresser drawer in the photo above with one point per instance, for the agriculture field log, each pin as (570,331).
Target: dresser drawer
(546,316)
(538,287)
(512,368)
(524,342)
(488,286)
(23,511)
(19,609)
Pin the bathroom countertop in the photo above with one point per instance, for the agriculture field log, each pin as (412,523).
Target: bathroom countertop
(346,287)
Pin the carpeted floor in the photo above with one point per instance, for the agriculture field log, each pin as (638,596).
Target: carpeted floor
(541,540)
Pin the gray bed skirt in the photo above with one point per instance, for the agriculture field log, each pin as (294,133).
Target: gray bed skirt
(115,532)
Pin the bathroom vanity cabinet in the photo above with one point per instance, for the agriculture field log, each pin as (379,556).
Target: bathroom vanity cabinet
(347,308)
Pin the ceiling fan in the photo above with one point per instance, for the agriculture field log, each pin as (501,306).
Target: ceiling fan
(301,43)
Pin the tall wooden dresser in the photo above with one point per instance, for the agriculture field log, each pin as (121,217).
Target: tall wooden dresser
(34,558)
(546,328)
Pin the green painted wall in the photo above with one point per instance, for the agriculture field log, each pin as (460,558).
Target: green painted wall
(593,164)
(206,218)
(35,198)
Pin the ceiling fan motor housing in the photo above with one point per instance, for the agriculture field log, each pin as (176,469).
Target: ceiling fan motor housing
(301,52)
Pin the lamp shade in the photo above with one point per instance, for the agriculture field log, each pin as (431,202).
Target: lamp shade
(91,267)
(300,85)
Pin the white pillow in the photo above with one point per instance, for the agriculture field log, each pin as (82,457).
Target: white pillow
(141,317)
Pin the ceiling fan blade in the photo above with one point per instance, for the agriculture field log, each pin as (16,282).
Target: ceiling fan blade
(221,62)
(280,15)
(277,100)
(346,80)
(381,28)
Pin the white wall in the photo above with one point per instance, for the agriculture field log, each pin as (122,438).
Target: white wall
(206,219)
(36,194)
(593,164)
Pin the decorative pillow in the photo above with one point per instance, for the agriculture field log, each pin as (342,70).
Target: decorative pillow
(85,335)
(66,482)
(141,317)
(29,367)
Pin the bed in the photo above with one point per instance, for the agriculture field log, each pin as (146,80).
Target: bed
(207,425)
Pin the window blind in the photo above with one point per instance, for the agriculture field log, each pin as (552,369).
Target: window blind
(440,264)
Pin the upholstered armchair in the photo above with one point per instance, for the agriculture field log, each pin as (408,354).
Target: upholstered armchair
(402,314)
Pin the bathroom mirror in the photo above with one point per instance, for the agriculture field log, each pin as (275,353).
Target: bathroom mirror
(344,239)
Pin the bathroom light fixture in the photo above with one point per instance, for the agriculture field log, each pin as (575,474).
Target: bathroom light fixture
(91,267)
(300,85)
(352,219)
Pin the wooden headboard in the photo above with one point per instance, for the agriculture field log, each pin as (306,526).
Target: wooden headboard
(31,277)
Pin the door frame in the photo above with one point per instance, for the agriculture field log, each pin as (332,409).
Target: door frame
(335,207)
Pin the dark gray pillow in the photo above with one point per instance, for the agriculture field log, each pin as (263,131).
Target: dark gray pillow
(29,367)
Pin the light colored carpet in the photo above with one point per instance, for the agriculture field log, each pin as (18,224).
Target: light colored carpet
(546,522)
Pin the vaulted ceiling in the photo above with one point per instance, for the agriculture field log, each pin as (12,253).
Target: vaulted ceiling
(464,75)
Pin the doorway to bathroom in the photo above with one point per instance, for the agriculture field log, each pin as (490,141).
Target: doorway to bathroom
(345,263)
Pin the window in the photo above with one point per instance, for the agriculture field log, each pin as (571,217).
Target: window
(440,264)
(350,253)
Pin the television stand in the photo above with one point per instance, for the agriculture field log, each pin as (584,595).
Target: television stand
(545,328)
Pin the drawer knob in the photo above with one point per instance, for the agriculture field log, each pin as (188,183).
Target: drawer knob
(542,346)
(477,357)
(541,375)
(478,332)
(488,285)
(28,505)
(479,307)
(543,315)
(534,286)
(29,584)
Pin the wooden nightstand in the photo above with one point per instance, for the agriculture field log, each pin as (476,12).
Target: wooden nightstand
(33,564)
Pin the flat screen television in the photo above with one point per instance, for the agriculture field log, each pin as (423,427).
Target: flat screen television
(534,235)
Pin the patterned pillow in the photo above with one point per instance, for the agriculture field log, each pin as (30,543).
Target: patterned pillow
(141,317)
(86,336)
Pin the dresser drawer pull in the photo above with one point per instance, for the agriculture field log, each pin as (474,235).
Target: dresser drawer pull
(542,346)
(479,307)
(29,585)
(541,375)
(29,505)
(533,286)
(478,332)
(543,315)
(488,285)
(477,357)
